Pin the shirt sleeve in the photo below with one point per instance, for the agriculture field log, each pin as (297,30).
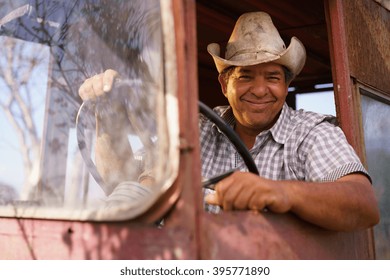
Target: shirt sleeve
(329,156)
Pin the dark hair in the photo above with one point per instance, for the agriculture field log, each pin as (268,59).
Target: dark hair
(288,75)
(225,74)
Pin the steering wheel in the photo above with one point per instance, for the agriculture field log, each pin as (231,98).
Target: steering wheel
(103,106)
(234,139)
(87,106)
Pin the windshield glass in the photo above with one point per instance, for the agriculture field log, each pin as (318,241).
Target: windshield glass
(65,157)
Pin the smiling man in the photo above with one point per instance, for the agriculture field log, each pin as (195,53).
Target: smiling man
(305,163)
(257,94)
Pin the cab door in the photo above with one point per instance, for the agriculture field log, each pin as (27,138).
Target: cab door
(360,33)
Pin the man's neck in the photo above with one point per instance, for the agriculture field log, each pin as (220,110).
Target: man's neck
(248,136)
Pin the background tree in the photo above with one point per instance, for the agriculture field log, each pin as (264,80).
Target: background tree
(21,66)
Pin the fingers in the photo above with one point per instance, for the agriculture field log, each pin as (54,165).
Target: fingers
(243,199)
(243,191)
(85,90)
(108,80)
(229,194)
(98,85)
(232,198)
(212,198)
(235,198)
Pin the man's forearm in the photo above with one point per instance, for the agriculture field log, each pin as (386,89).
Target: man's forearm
(344,205)
(114,156)
(347,204)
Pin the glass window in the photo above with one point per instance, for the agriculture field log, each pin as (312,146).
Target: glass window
(319,102)
(376,124)
(100,159)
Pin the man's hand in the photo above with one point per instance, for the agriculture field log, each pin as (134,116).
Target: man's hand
(98,85)
(113,153)
(346,204)
(243,191)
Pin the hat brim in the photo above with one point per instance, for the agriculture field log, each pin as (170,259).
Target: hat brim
(294,58)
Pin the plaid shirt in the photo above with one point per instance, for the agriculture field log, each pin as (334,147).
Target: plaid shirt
(302,145)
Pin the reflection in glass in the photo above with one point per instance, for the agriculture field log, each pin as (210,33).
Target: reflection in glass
(49,48)
(376,124)
(23,79)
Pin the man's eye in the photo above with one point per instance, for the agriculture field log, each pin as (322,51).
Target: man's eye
(274,78)
(244,77)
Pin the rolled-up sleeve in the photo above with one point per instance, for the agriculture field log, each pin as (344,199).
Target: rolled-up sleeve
(329,155)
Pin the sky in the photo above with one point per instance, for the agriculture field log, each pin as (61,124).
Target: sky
(320,102)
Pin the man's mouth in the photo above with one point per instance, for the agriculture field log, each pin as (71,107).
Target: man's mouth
(258,104)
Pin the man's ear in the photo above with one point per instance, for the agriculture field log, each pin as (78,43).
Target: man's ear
(223,84)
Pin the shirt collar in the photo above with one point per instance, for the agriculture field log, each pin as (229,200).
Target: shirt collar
(228,116)
(279,130)
(226,113)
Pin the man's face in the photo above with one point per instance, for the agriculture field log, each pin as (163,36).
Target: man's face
(256,94)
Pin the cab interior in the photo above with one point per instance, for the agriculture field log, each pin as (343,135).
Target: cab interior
(301,18)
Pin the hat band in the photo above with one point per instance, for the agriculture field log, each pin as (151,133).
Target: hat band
(260,55)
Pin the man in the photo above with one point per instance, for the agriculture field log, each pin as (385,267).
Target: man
(305,163)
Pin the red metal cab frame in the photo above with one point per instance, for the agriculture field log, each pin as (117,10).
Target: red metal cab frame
(189,232)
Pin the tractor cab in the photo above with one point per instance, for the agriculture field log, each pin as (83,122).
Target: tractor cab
(53,192)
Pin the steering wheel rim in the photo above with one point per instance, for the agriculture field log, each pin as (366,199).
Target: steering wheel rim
(231,135)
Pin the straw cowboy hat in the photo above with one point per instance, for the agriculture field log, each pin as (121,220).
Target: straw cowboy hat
(256,40)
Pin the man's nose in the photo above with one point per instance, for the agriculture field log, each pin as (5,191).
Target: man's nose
(259,86)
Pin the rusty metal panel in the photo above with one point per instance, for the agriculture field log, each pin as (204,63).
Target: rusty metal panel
(41,239)
(251,235)
(368,37)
